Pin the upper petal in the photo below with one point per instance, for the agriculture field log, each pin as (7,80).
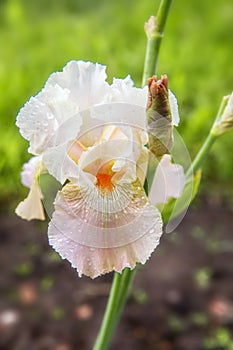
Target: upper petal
(124,91)
(42,115)
(37,124)
(86,82)
(79,86)
(62,167)
(121,114)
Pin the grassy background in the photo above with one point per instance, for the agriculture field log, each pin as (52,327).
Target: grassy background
(40,36)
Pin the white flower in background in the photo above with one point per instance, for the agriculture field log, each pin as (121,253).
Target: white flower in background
(31,207)
(91,136)
(224,122)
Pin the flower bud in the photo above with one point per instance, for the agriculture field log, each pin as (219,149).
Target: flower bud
(159,117)
(224,122)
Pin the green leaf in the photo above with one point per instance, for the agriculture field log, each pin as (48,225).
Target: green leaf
(175,206)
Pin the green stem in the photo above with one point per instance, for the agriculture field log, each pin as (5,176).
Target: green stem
(121,283)
(109,320)
(127,280)
(118,294)
(154,30)
(202,154)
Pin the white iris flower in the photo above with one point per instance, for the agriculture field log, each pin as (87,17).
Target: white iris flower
(92,136)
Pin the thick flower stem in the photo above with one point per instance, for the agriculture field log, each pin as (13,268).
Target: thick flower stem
(154,30)
(127,280)
(116,301)
(121,283)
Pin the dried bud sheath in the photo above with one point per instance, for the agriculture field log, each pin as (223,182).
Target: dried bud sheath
(159,117)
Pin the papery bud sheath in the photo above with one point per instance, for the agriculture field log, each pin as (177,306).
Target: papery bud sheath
(159,116)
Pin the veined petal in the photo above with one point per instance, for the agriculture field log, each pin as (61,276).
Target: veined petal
(169,181)
(86,82)
(100,233)
(94,262)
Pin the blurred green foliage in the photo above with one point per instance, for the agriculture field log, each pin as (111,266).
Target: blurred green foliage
(39,37)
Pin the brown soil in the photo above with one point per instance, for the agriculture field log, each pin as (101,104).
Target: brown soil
(182,299)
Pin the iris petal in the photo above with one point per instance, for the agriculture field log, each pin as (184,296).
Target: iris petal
(112,227)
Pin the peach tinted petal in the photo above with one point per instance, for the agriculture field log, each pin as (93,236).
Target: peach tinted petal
(94,262)
(62,167)
(100,233)
(75,149)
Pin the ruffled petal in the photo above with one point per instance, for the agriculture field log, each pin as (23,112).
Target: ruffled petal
(86,82)
(79,86)
(124,91)
(98,234)
(42,115)
(37,124)
(169,181)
